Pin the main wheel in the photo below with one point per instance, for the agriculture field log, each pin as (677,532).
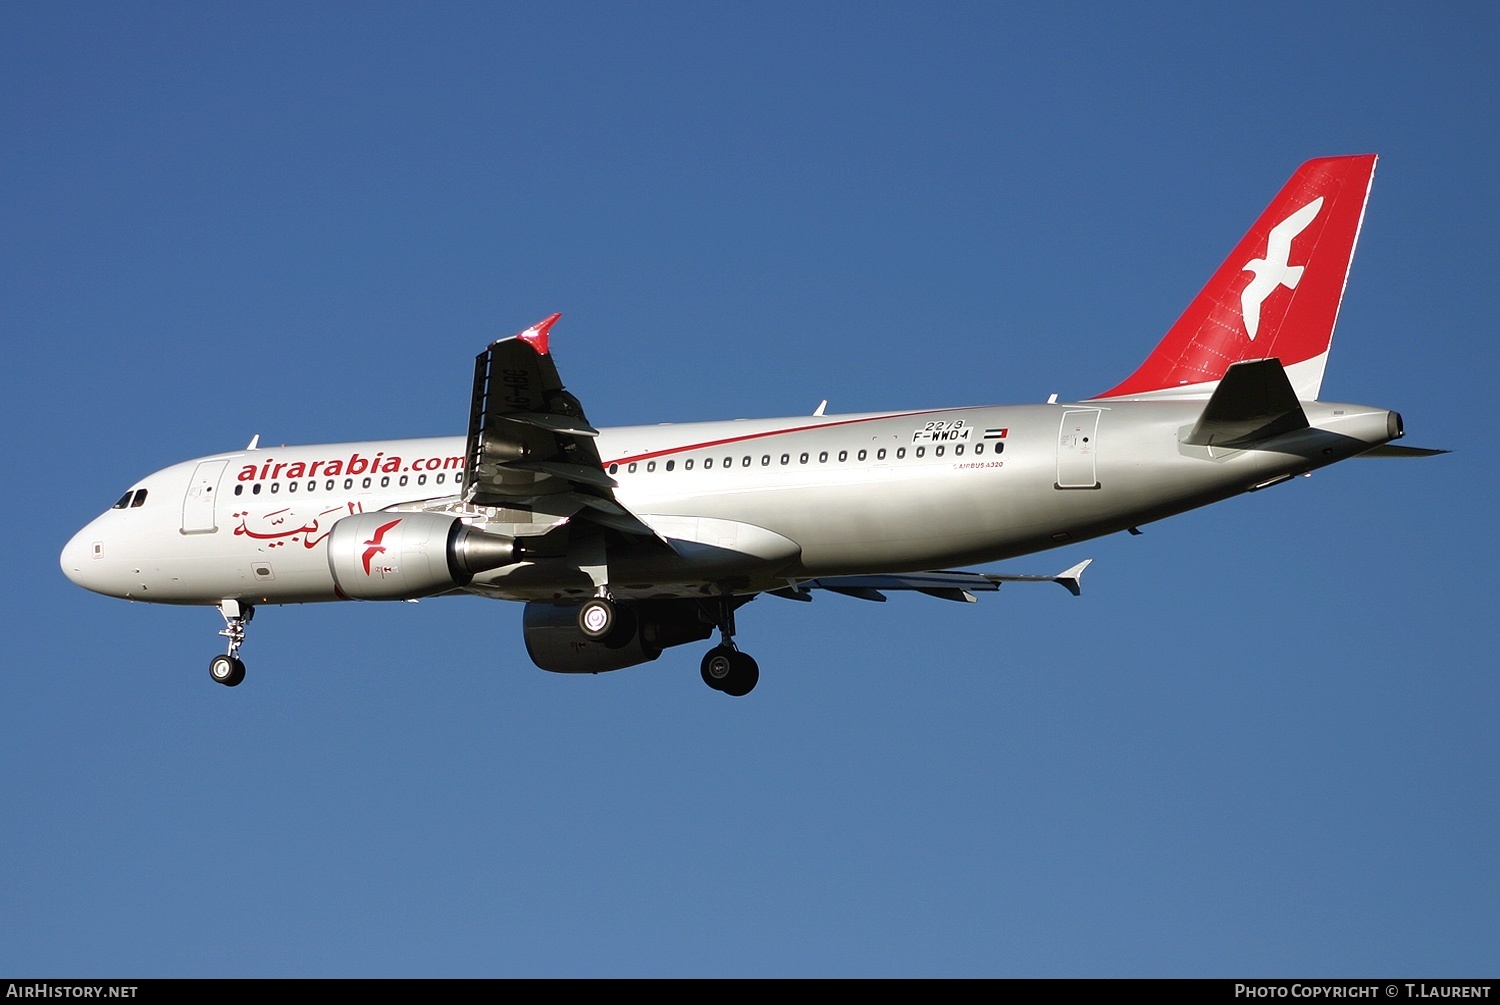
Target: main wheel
(597,618)
(744,677)
(227,670)
(717,666)
(729,670)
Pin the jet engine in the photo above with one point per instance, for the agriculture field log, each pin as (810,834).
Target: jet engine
(554,642)
(400,556)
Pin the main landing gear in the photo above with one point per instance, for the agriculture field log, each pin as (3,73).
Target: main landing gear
(228,669)
(606,622)
(724,667)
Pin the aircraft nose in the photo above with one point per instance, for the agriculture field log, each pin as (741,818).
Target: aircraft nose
(78,557)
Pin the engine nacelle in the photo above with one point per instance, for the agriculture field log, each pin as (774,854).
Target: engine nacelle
(401,556)
(554,642)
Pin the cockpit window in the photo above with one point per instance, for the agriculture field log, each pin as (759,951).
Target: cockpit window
(140,498)
(133,498)
(124,500)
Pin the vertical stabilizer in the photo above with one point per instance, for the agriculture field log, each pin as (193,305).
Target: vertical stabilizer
(1276,296)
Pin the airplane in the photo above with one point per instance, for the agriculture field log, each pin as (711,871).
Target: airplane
(624,542)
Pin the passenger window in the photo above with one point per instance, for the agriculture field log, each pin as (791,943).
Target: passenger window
(650,466)
(765,460)
(746,462)
(671,465)
(921,451)
(958,450)
(999,447)
(348,484)
(631,469)
(255,489)
(939,451)
(239,490)
(458,478)
(729,462)
(979,448)
(614,469)
(708,462)
(312,484)
(843,456)
(403,481)
(861,455)
(421,480)
(900,453)
(687,465)
(276,487)
(823,457)
(385,481)
(441,476)
(328,485)
(802,459)
(880,454)
(786,458)
(291,486)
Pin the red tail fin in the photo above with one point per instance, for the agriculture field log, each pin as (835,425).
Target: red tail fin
(1276,295)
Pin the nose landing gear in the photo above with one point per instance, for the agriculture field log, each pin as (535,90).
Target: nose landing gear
(228,669)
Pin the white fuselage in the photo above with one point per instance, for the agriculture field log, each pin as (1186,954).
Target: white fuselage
(748,504)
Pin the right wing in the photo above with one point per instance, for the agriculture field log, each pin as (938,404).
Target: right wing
(959,586)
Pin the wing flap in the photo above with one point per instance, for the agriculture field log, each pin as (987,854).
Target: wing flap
(528,437)
(530,444)
(955,586)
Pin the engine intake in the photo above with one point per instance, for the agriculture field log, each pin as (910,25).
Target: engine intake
(401,556)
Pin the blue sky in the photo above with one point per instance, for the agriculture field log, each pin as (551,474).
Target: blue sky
(1262,743)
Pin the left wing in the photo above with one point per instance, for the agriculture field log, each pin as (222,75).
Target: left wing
(529,438)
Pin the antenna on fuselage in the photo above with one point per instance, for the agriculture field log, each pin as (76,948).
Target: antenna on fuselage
(821,405)
(254,442)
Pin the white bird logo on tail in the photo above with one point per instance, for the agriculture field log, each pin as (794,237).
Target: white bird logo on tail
(1273,270)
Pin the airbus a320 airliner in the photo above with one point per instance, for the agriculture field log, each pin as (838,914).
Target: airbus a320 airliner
(626,541)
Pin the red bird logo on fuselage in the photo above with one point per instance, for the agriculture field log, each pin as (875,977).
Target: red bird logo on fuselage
(375,547)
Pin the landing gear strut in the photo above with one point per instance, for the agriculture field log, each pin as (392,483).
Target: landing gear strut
(724,667)
(228,669)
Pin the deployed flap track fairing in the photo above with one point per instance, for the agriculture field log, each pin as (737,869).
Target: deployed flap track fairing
(624,542)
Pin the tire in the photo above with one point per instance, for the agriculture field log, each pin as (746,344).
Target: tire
(624,630)
(745,676)
(717,667)
(226,670)
(597,619)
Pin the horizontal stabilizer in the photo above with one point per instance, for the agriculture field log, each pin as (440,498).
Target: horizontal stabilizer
(1253,402)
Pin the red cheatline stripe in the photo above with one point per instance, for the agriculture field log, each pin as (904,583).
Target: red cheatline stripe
(773,432)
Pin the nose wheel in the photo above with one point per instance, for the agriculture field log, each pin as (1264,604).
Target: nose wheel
(229,669)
